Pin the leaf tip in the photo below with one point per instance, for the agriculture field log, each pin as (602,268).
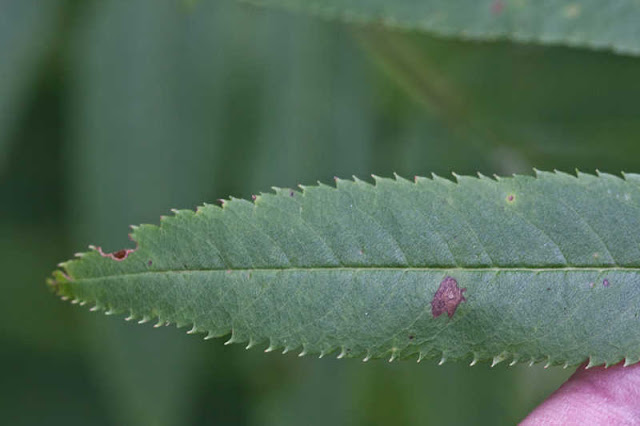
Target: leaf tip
(303,352)
(271,347)
(394,354)
(498,359)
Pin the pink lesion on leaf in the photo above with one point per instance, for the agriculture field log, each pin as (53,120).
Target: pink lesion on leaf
(447,298)
(497,6)
(119,255)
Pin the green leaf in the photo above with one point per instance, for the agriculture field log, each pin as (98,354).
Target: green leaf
(592,23)
(489,96)
(548,267)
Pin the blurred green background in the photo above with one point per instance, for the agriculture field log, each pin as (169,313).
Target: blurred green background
(112,112)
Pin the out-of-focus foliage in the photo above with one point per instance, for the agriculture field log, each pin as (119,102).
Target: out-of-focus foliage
(586,23)
(127,109)
(27,31)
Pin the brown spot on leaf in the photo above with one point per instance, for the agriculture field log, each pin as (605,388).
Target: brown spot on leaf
(119,255)
(447,298)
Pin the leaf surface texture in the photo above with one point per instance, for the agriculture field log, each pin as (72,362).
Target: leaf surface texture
(550,267)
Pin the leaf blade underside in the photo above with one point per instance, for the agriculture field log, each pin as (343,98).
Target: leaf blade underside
(550,266)
(591,24)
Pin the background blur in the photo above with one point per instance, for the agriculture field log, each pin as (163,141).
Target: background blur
(112,112)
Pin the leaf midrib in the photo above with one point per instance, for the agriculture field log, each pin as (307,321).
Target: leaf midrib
(372,268)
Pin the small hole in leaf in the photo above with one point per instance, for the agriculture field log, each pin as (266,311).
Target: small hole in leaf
(120,254)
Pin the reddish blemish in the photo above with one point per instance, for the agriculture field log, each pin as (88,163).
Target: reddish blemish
(149,263)
(510,198)
(497,7)
(605,282)
(119,255)
(447,298)
(253,197)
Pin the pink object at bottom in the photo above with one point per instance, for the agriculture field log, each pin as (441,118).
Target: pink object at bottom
(597,396)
